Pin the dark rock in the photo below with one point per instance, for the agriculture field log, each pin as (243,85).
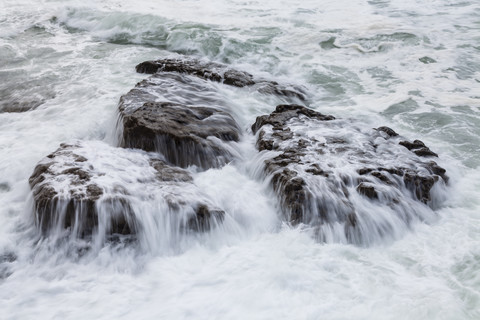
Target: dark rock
(264,145)
(219,73)
(181,133)
(397,171)
(284,113)
(81,174)
(175,88)
(90,188)
(434,168)
(367,190)
(316,170)
(282,134)
(289,184)
(205,219)
(427,60)
(381,177)
(364,171)
(168,173)
(419,148)
(148,67)
(421,185)
(425,152)
(238,78)
(417,144)
(208,71)
(74,204)
(317,161)
(184,130)
(388,131)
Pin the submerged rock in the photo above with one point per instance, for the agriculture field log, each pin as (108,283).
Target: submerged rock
(184,135)
(6,260)
(23,94)
(19,106)
(427,60)
(219,73)
(350,183)
(92,188)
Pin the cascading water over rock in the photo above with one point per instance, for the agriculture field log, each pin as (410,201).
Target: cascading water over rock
(349,183)
(94,189)
(265,252)
(183,135)
(220,73)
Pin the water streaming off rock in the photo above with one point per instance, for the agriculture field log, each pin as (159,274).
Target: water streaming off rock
(250,171)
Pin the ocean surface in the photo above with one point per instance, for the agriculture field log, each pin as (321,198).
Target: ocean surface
(411,65)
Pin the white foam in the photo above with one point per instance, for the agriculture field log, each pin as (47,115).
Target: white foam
(252,272)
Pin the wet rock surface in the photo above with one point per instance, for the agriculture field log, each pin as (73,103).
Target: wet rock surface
(220,73)
(173,88)
(347,182)
(388,131)
(283,113)
(419,148)
(183,118)
(334,173)
(184,135)
(90,187)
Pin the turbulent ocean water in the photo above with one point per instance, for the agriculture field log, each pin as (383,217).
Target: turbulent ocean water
(409,64)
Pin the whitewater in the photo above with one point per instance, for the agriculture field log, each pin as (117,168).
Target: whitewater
(407,64)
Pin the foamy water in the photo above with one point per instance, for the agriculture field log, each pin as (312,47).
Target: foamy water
(406,64)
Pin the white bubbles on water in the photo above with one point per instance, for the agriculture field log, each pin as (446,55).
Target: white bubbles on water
(407,64)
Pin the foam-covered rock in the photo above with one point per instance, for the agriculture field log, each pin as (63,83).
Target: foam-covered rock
(220,73)
(92,188)
(183,118)
(335,174)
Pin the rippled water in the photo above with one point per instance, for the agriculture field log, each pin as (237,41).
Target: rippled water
(411,65)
